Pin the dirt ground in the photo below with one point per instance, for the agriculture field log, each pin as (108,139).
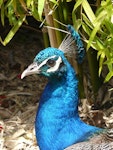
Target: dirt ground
(19,98)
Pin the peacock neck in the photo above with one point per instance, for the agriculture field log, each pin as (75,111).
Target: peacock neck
(58,124)
(62,93)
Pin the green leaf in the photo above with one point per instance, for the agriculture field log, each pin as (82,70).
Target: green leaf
(100,18)
(87,21)
(108,77)
(54,1)
(93,35)
(9,2)
(35,12)
(2,14)
(12,18)
(88,11)
(86,29)
(40,8)
(13,31)
(77,4)
(101,60)
(109,26)
(28,3)
(100,44)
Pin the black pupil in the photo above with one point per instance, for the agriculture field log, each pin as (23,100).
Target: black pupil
(51,62)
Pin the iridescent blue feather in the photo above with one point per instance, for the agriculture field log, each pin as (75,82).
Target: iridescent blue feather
(79,44)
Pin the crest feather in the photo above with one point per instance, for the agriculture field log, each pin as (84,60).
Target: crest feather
(68,45)
(72,44)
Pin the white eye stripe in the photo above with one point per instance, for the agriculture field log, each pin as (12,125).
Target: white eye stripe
(45,61)
(58,62)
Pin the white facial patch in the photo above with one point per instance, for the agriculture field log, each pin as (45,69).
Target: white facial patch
(55,68)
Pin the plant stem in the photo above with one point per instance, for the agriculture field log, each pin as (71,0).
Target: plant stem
(46,39)
(51,32)
(94,67)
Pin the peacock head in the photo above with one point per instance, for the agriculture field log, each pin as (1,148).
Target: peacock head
(49,62)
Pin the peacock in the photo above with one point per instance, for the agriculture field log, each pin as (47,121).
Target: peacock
(57,123)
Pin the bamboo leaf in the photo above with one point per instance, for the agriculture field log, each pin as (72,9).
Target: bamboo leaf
(9,2)
(54,1)
(13,31)
(108,77)
(35,12)
(93,35)
(2,14)
(28,3)
(87,21)
(86,29)
(88,11)
(109,26)
(40,8)
(11,16)
(100,18)
(77,4)
(101,60)
(100,44)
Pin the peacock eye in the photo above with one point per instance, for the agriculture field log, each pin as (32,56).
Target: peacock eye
(51,63)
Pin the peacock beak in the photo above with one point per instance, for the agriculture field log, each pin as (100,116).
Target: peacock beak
(32,69)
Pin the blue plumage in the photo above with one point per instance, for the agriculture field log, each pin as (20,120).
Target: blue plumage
(79,44)
(58,124)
